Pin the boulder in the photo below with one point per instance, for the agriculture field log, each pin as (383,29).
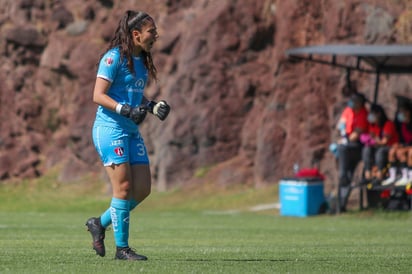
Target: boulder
(240,110)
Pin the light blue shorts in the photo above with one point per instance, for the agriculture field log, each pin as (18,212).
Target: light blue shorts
(116,146)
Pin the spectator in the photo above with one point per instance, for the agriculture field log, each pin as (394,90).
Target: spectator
(400,155)
(352,123)
(381,135)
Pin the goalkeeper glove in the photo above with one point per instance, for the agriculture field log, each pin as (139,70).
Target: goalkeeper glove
(161,109)
(136,114)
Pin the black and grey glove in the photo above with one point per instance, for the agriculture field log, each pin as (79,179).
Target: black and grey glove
(160,109)
(136,114)
(124,110)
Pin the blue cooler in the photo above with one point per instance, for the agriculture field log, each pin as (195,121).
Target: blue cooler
(301,197)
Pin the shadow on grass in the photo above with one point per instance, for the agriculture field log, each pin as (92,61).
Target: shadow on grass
(239,260)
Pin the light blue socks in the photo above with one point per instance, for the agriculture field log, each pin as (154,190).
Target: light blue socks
(120,213)
(106,218)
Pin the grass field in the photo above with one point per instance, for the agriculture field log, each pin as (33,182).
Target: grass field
(208,231)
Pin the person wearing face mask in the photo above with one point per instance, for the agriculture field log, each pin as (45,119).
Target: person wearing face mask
(400,155)
(352,123)
(381,135)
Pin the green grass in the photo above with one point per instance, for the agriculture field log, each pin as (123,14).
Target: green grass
(198,231)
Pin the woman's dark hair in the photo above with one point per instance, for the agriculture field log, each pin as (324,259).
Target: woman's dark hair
(382,114)
(403,106)
(360,97)
(132,20)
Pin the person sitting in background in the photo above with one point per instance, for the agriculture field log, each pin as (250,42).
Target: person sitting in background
(352,123)
(400,155)
(381,135)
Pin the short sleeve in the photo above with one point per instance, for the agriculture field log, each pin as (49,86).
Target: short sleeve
(362,121)
(346,114)
(109,65)
(389,128)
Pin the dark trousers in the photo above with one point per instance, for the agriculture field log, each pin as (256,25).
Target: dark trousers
(349,155)
(375,156)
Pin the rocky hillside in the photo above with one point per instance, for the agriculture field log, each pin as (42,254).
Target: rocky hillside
(240,112)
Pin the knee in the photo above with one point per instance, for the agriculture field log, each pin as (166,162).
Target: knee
(146,192)
(401,155)
(392,152)
(141,192)
(366,152)
(122,190)
(381,160)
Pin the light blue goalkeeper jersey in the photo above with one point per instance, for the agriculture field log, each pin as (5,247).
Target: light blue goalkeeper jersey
(126,88)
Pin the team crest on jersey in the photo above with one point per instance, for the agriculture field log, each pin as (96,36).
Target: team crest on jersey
(108,61)
(119,151)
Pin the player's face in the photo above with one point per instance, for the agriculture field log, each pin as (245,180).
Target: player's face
(147,37)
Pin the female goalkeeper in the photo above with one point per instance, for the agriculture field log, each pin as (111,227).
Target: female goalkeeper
(122,75)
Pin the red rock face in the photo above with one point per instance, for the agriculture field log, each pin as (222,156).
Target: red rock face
(240,111)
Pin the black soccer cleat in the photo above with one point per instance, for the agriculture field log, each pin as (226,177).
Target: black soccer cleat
(126,253)
(98,233)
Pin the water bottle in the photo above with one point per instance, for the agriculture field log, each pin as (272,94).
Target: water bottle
(342,131)
(334,149)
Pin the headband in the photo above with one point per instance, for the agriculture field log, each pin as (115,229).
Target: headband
(140,17)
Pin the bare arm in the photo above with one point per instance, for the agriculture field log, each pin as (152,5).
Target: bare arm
(339,123)
(354,136)
(100,96)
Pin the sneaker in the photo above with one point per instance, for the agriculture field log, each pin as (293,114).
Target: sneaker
(388,181)
(98,233)
(126,253)
(402,182)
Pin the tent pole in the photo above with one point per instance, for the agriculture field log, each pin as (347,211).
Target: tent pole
(348,81)
(375,97)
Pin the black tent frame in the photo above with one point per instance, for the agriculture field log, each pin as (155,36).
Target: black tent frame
(373,59)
